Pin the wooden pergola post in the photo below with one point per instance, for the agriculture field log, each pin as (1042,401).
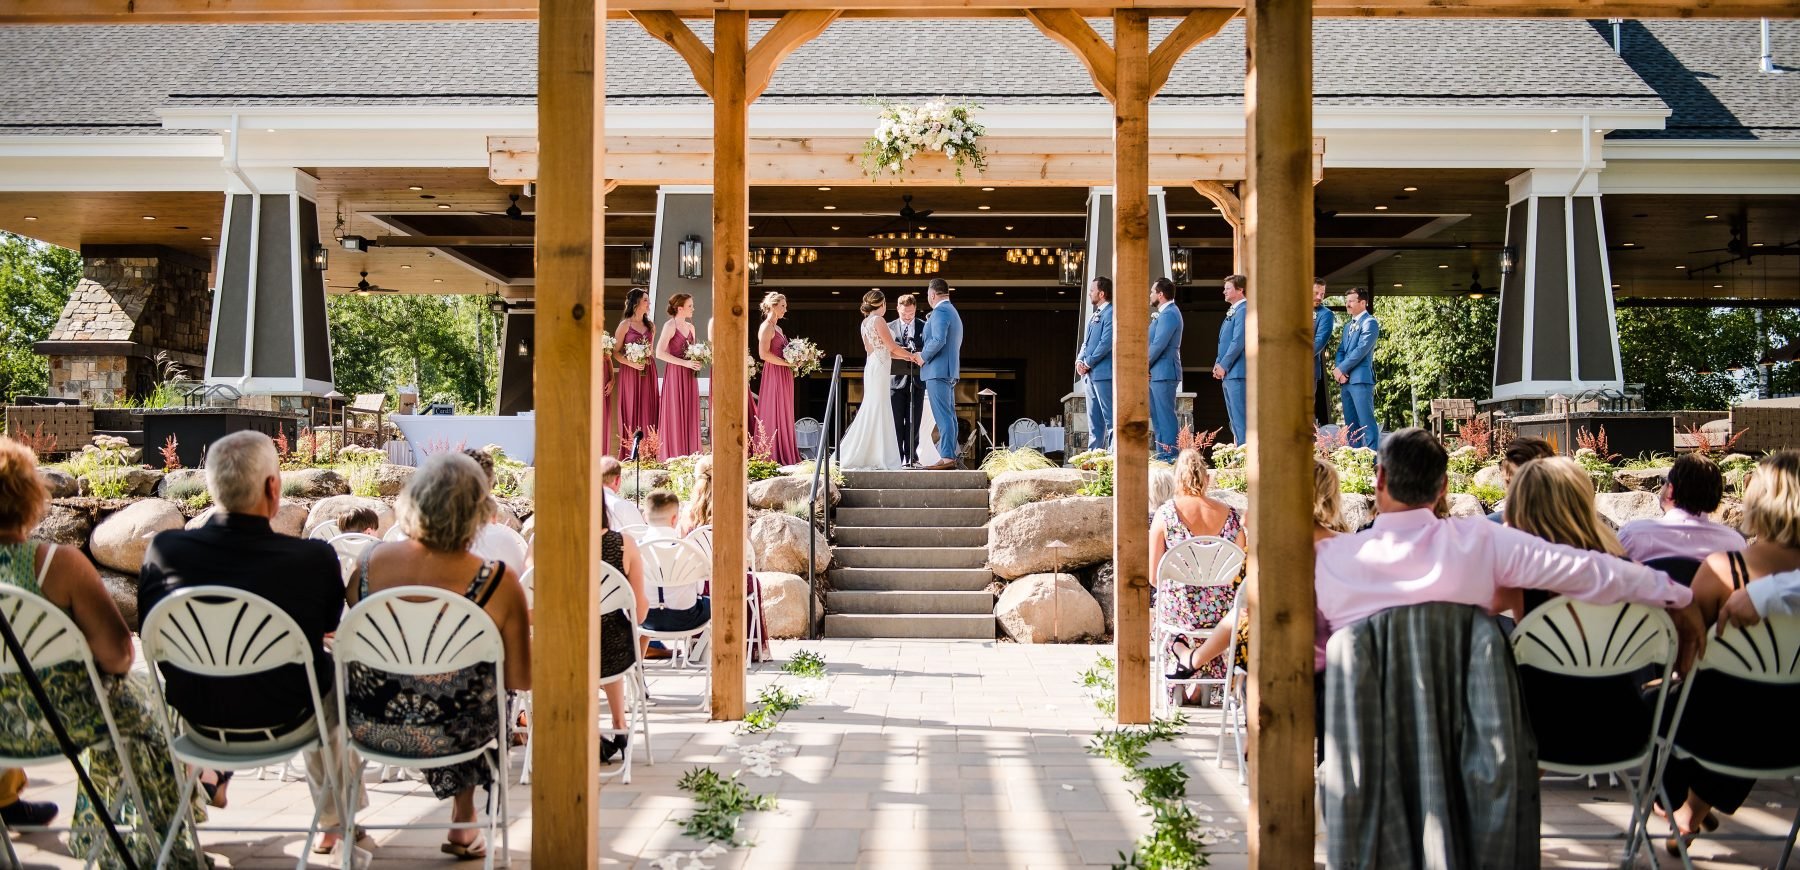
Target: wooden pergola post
(730,385)
(1278,212)
(565,670)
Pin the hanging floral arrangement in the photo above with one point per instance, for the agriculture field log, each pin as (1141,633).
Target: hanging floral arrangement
(939,126)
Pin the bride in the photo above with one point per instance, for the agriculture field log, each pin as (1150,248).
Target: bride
(871,441)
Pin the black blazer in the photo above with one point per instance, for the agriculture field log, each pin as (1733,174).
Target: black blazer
(299,576)
(904,371)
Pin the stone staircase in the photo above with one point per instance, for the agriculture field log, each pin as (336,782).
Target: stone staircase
(910,550)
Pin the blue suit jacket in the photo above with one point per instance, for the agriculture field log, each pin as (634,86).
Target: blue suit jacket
(1356,353)
(943,344)
(1097,350)
(1324,324)
(1231,341)
(1165,345)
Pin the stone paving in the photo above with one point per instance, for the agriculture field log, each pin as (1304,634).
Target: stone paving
(912,754)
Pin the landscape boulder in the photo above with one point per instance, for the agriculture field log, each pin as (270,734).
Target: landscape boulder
(776,493)
(1641,479)
(138,482)
(181,483)
(1235,499)
(119,541)
(778,543)
(389,479)
(1018,540)
(313,483)
(1356,508)
(1489,476)
(1731,513)
(122,588)
(64,525)
(1463,504)
(61,484)
(329,510)
(633,483)
(1103,589)
(1619,508)
(1049,608)
(1035,485)
(784,604)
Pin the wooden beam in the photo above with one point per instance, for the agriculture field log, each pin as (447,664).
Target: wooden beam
(1199,26)
(730,384)
(792,31)
(1278,210)
(1131,362)
(670,29)
(565,798)
(1072,30)
(1232,209)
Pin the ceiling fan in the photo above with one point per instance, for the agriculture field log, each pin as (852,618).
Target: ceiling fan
(907,215)
(1737,246)
(364,288)
(512,212)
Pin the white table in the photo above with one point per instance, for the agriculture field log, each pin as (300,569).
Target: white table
(1053,438)
(516,435)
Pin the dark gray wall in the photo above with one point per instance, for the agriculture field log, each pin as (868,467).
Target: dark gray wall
(273,355)
(683,215)
(1593,310)
(1549,264)
(316,335)
(233,298)
(515,371)
(1509,368)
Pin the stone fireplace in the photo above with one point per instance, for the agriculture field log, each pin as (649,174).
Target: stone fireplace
(133,302)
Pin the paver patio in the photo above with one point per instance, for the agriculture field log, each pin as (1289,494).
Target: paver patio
(915,754)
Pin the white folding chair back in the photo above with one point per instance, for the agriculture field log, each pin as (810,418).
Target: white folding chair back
(49,637)
(701,537)
(1024,432)
(350,547)
(806,433)
(675,564)
(220,632)
(325,531)
(1575,639)
(616,596)
(420,631)
(1197,562)
(1231,712)
(634,531)
(529,581)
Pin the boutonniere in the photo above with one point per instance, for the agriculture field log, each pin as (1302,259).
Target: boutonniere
(1155,314)
(1096,317)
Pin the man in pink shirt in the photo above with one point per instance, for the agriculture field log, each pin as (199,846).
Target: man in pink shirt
(1410,556)
(1686,531)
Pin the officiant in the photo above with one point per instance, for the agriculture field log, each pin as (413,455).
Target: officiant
(908,393)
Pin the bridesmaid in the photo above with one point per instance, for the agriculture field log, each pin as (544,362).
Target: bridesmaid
(775,406)
(680,415)
(712,418)
(636,383)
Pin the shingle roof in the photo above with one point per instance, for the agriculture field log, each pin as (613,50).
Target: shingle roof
(114,78)
(1709,74)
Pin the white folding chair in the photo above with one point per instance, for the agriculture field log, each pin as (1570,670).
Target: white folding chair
(702,537)
(219,632)
(49,638)
(1601,642)
(1025,432)
(419,631)
(616,595)
(673,563)
(1231,713)
(806,434)
(522,704)
(1197,562)
(635,531)
(1767,654)
(325,531)
(350,547)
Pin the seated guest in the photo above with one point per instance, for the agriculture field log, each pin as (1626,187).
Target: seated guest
(624,513)
(662,509)
(441,509)
(1774,595)
(1411,556)
(496,542)
(1686,530)
(617,653)
(361,521)
(1162,486)
(15,810)
(1772,519)
(238,548)
(680,608)
(699,508)
(1192,513)
(65,578)
(1523,449)
(1553,499)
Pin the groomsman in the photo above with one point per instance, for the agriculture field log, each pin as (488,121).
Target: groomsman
(1230,366)
(1355,370)
(908,392)
(1324,324)
(1165,367)
(1095,364)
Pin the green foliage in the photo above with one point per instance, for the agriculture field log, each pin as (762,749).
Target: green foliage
(1018,498)
(446,345)
(722,802)
(1465,461)
(1088,460)
(199,501)
(1175,841)
(1098,680)
(35,282)
(1647,461)
(1597,467)
(109,483)
(1165,783)
(292,489)
(362,481)
(762,469)
(1000,461)
(806,467)
(185,490)
(1130,746)
(805,663)
(681,476)
(1102,484)
(1489,494)
(1431,348)
(1356,469)
(776,702)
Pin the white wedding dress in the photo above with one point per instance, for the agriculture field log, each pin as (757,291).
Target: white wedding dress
(872,442)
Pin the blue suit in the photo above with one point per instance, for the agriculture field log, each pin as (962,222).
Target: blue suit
(1096,353)
(1231,359)
(1165,379)
(1356,359)
(943,365)
(1324,324)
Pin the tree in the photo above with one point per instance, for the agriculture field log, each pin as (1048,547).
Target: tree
(1704,358)
(1432,348)
(446,345)
(35,282)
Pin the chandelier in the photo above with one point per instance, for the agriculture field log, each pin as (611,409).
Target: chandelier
(1030,256)
(792,256)
(909,259)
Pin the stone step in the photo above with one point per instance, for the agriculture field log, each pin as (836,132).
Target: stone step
(968,626)
(892,603)
(877,536)
(961,517)
(914,498)
(910,579)
(919,479)
(911,557)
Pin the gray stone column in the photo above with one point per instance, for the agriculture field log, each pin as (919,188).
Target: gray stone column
(269,335)
(133,303)
(1558,333)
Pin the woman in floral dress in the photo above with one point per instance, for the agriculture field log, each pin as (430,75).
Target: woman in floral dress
(1192,513)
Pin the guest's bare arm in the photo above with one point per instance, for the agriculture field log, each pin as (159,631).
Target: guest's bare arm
(515,632)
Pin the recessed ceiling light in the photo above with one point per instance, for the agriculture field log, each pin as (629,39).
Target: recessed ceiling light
(1752,244)
(443,205)
(1381,208)
(750,227)
(987,190)
(1631,244)
(999,292)
(271,129)
(824,188)
(831,208)
(1718,286)
(1399,285)
(31,217)
(1443,265)
(1181,226)
(1615,286)
(149,217)
(415,187)
(1009,229)
(1712,217)
(1062,292)
(983,207)
(834,227)
(405,266)
(437,280)
(1681,267)
(837,292)
(1556,131)
(1409,189)
(206,238)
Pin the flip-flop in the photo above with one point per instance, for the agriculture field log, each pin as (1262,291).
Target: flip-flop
(474,851)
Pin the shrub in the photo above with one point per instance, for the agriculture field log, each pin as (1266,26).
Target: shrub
(1102,484)
(292,488)
(1088,461)
(40,445)
(1356,469)
(1489,494)
(681,476)
(198,501)
(806,467)
(1018,498)
(1466,460)
(1002,460)
(362,482)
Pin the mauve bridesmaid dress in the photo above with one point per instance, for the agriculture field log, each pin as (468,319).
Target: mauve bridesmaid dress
(680,415)
(637,393)
(775,405)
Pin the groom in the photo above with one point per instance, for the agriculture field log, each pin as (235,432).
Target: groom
(943,353)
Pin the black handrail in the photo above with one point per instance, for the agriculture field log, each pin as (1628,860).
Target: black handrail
(828,443)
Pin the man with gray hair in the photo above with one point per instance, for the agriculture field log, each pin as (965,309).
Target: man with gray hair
(238,548)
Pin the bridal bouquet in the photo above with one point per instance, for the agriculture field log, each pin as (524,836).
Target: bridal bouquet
(699,352)
(803,355)
(902,132)
(607,343)
(751,365)
(637,352)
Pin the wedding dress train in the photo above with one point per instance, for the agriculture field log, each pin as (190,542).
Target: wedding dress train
(872,442)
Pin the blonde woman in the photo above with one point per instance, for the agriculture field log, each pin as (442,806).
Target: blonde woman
(872,442)
(1553,499)
(1716,713)
(775,401)
(699,507)
(1190,514)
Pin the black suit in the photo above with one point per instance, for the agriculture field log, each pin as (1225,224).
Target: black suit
(299,576)
(908,392)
